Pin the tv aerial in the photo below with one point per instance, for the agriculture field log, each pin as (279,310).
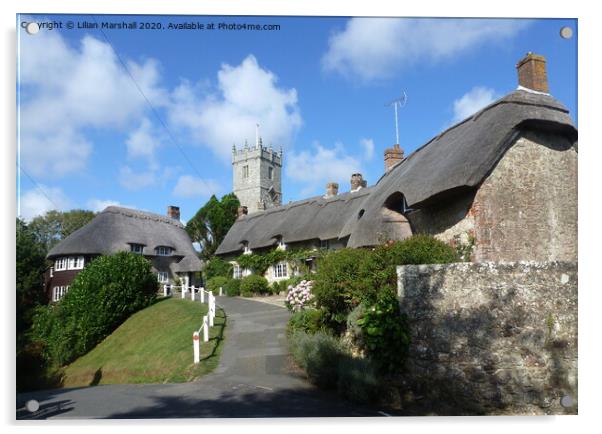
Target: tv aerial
(398,103)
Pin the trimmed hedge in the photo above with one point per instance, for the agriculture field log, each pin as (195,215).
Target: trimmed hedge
(252,285)
(216,282)
(232,287)
(103,295)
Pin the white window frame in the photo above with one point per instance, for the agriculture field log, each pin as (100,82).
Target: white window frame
(60,264)
(59,292)
(164,251)
(163,277)
(280,270)
(134,248)
(237,271)
(246,250)
(75,263)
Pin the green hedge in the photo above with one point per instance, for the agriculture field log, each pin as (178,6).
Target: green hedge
(309,321)
(103,295)
(253,285)
(216,282)
(232,288)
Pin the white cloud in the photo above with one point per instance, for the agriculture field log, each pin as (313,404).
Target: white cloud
(40,200)
(472,101)
(143,142)
(98,205)
(134,180)
(324,165)
(378,48)
(246,94)
(65,90)
(368,146)
(192,186)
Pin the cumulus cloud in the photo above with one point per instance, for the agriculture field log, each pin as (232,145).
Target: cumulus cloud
(98,205)
(321,165)
(378,48)
(368,147)
(472,101)
(192,186)
(40,200)
(143,142)
(64,90)
(135,180)
(246,94)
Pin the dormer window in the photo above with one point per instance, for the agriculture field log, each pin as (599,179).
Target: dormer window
(164,251)
(281,245)
(136,248)
(245,249)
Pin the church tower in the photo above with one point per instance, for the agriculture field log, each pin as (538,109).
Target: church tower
(256,173)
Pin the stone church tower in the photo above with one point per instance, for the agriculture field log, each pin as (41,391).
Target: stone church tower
(256,172)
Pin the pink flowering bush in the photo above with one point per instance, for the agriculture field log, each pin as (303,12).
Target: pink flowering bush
(300,297)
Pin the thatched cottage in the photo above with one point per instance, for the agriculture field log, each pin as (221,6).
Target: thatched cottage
(161,239)
(502,182)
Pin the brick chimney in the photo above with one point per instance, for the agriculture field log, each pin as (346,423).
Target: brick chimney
(173,212)
(532,73)
(242,210)
(393,156)
(357,182)
(332,189)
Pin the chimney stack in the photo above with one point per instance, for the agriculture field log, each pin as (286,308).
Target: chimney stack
(393,156)
(357,182)
(242,210)
(532,73)
(332,189)
(173,212)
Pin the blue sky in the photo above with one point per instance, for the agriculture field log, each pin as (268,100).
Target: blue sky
(317,86)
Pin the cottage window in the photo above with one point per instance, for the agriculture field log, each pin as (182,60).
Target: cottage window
(60,264)
(136,248)
(280,270)
(163,251)
(76,263)
(245,171)
(162,277)
(237,272)
(325,244)
(59,292)
(245,249)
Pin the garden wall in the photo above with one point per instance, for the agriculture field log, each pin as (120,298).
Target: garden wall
(493,337)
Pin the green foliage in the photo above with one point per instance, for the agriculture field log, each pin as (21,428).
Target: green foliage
(358,380)
(420,249)
(385,333)
(259,263)
(319,355)
(211,223)
(253,284)
(217,267)
(101,297)
(54,226)
(279,286)
(232,288)
(309,321)
(216,282)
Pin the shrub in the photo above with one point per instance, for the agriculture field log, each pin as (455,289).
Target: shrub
(279,286)
(353,328)
(232,287)
(319,355)
(253,284)
(299,297)
(215,283)
(420,249)
(385,333)
(358,380)
(217,267)
(307,320)
(101,297)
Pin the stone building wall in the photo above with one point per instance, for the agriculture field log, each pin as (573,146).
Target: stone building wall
(492,338)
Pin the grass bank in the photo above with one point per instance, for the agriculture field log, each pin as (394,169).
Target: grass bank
(152,346)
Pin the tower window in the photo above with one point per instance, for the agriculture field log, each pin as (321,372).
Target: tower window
(270,172)
(245,171)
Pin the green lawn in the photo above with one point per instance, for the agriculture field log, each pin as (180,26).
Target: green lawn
(152,346)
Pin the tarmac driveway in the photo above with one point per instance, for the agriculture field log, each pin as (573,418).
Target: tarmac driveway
(255,379)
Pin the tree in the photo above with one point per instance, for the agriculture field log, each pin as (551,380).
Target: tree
(54,226)
(211,223)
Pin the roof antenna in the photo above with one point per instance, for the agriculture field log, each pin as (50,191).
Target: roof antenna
(398,102)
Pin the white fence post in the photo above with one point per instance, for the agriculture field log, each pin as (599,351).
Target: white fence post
(211,308)
(164,290)
(205,329)
(183,291)
(202,295)
(192,292)
(220,291)
(196,347)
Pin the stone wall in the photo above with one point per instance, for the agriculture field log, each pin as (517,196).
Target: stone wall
(492,338)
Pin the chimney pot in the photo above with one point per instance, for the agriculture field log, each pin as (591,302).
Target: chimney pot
(332,189)
(393,156)
(532,73)
(173,212)
(357,182)
(242,210)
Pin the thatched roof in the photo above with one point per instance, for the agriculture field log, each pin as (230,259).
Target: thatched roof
(458,158)
(116,228)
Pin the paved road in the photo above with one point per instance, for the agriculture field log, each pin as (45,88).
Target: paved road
(254,379)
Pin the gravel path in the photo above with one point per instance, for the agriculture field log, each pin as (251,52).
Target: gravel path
(255,379)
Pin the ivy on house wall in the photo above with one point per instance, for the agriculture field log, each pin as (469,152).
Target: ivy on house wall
(259,263)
